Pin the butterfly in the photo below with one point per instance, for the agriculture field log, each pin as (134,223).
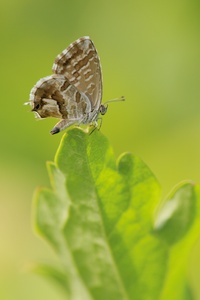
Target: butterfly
(74,92)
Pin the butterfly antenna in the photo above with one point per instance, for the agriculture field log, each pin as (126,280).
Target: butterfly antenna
(122,98)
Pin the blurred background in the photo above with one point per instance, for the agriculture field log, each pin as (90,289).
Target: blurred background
(150,53)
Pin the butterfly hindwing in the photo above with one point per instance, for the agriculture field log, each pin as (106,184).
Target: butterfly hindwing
(55,96)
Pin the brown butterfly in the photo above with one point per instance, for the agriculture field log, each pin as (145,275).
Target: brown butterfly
(74,92)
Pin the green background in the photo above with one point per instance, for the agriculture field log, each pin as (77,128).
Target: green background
(150,53)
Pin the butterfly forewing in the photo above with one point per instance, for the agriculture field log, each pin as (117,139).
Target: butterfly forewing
(80,64)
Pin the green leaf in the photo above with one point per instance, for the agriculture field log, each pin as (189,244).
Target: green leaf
(98,217)
(177,214)
(53,273)
(178,224)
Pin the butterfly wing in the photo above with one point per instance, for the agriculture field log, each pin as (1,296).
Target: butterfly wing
(80,64)
(55,96)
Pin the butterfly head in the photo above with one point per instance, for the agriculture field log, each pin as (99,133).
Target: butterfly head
(103,109)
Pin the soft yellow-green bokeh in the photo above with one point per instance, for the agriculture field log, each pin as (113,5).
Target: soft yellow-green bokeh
(150,53)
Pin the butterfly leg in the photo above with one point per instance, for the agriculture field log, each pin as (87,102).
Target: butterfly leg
(64,123)
(95,125)
(100,123)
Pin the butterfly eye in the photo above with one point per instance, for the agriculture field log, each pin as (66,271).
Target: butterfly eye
(103,109)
